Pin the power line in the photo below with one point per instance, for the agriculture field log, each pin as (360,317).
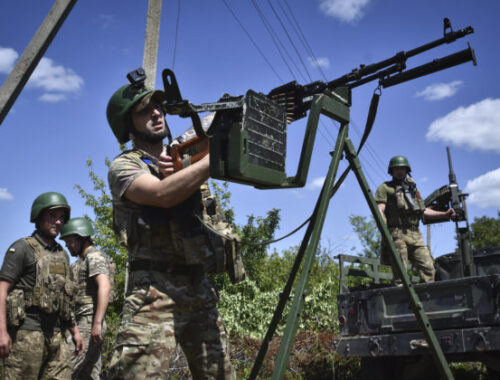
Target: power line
(276,40)
(298,30)
(252,40)
(176,31)
(290,39)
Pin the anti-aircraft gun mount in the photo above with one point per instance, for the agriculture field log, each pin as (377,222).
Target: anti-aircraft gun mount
(450,196)
(463,305)
(247,144)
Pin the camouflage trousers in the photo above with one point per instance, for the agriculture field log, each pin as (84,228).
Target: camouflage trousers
(411,247)
(88,364)
(36,355)
(183,312)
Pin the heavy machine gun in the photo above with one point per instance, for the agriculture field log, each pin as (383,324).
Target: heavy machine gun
(248,132)
(450,196)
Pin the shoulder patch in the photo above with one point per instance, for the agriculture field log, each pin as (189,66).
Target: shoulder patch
(12,249)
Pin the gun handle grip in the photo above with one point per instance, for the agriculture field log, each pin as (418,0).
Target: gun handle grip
(189,152)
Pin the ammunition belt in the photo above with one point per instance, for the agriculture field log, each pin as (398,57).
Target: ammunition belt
(165,267)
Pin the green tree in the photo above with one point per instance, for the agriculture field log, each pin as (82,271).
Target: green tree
(254,233)
(368,234)
(485,232)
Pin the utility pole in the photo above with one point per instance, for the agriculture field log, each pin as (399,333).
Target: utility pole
(150,57)
(35,50)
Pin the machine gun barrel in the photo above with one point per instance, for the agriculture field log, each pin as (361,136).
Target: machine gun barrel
(431,67)
(297,98)
(452,177)
(400,58)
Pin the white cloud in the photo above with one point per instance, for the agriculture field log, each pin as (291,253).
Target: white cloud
(5,195)
(316,183)
(52,98)
(476,126)
(344,10)
(319,62)
(484,191)
(7,58)
(51,77)
(438,91)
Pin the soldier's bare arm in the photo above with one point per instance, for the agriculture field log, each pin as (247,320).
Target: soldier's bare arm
(172,190)
(103,289)
(431,214)
(381,208)
(5,341)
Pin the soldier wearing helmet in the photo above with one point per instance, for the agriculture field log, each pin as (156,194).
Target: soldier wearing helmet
(92,274)
(36,293)
(157,216)
(402,207)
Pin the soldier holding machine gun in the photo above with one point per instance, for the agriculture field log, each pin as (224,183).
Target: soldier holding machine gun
(402,207)
(158,216)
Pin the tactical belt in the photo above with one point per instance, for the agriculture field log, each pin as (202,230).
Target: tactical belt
(165,267)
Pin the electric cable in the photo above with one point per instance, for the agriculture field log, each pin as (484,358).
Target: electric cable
(275,39)
(176,32)
(251,39)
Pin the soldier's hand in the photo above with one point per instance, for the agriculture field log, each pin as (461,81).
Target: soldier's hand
(5,344)
(79,343)
(96,333)
(452,215)
(165,164)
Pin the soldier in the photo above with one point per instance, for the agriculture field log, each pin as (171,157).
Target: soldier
(36,298)
(157,216)
(402,207)
(92,275)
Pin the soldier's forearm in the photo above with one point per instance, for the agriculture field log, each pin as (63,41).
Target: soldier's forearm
(4,290)
(103,289)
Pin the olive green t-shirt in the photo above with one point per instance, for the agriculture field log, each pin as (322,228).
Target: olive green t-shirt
(19,268)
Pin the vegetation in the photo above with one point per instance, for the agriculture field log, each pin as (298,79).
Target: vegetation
(485,232)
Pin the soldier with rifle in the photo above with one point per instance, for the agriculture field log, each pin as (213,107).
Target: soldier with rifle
(402,207)
(158,215)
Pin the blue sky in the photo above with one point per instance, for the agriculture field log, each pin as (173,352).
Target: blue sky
(58,121)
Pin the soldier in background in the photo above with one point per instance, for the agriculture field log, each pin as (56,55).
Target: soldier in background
(402,207)
(36,298)
(92,275)
(157,215)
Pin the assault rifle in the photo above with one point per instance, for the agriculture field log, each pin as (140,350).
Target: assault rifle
(248,132)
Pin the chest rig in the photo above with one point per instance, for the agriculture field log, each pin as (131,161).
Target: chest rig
(54,289)
(86,292)
(405,205)
(172,235)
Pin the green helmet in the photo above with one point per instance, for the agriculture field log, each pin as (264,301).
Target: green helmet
(77,226)
(48,200)
(120,105)
(398,161)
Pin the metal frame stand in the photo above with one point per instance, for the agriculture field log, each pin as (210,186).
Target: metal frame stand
(334,107)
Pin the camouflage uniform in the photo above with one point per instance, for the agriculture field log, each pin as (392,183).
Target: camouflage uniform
(402,220)
(88,365)
(39,350)
(170,300)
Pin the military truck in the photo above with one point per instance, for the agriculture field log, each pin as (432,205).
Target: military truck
(378,325)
